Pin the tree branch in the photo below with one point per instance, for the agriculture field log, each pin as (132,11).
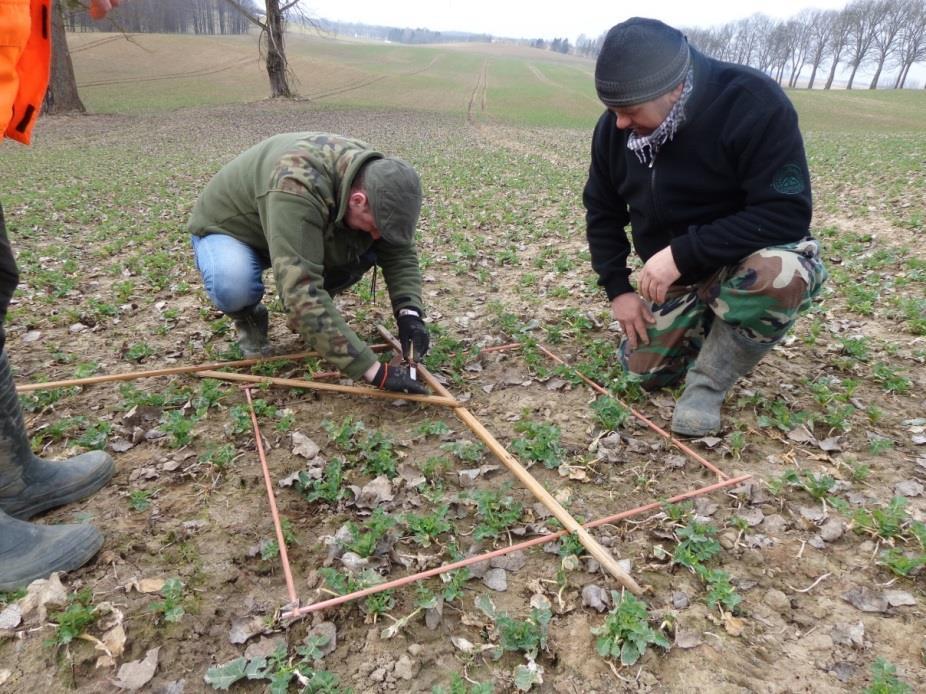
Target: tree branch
(252,18)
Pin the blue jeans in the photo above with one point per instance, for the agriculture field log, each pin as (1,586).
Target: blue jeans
(231,270)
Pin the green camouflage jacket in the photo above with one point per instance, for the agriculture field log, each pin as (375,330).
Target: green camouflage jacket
(287,197)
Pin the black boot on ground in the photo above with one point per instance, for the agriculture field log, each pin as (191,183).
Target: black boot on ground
(30,485)
(252,324)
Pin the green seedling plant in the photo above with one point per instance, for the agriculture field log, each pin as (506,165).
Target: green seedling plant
(342,584)
(434,427)
(328,488)
(610,413)
(697,546)
(377,456)
(465,451)
(270,549)
(539,443)
(95,436)
(426,528)
(884,679)
(886,523)
(458,685)
(497,511)
(75,619)
(527,636)
(170,607)
(365,539)
(626,633)
(179,428)
(219,457)
(140,499)
(280,669)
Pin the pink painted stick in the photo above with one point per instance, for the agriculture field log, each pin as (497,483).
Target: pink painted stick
(284,557)
(652,425)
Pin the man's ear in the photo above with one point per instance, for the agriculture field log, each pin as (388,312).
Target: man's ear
(359,201)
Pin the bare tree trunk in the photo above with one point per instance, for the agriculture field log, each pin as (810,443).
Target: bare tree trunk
(276,52)
(852,76)
(62,96)
(272,29)
(829,79)
(874,80)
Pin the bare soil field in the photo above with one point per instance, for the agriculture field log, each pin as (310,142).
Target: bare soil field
(798,579)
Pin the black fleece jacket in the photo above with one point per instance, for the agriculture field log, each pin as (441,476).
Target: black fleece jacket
(732,181)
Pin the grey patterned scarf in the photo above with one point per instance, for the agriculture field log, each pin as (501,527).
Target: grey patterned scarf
(647,146)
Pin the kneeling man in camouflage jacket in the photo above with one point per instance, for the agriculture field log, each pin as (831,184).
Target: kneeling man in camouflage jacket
(321,210)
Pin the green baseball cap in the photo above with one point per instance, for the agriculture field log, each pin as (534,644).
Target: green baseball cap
(394,191)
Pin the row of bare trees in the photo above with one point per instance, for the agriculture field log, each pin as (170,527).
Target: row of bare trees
(881,34)
(166,17)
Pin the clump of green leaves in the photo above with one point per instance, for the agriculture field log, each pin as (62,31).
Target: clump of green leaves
(328,487)
(280,669)
(626,633)
(178,427)
(610,413)
(426,528)
(887,522)
(884,679)
(697,546)
(365,539)
(79,614)
(817,485)
(497,511)
(219,457)
(465,451)
(171,607)
(458,685)
(527,636)
(539,443)
(342,584)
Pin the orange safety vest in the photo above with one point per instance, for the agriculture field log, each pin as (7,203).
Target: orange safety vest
(25,59)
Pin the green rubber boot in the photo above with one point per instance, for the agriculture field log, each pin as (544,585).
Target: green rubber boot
(724,358)
(28,484)
(252,324)
(29,551)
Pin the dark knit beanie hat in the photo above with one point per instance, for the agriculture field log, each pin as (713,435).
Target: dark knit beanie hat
(640,59)
(394,191)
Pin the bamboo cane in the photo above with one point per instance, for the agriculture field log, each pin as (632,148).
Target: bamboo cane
(529,481)
(169,371)
(443,401)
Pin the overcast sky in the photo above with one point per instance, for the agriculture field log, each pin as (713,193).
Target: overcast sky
(551,19)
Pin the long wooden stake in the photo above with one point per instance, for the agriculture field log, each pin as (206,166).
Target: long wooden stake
(528,480)
(169,371)
(443,401)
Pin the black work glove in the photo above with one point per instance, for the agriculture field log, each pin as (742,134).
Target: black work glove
(397,379)
(412,331)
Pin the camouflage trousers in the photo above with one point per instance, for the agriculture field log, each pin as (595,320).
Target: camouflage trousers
(761,297)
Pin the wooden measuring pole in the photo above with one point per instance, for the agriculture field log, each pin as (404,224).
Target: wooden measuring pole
(167,371)
(601,555)
(443,401)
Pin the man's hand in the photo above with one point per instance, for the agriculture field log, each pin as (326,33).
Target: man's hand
(99,8)
(412,331)
(397,379)
(659,272)
(633,315)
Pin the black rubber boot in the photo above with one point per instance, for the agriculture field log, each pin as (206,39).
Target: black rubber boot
(252,324)
(28,484)
(29,551)
(724,358)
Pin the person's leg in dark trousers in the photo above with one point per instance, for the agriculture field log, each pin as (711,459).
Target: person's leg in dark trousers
(29,485)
